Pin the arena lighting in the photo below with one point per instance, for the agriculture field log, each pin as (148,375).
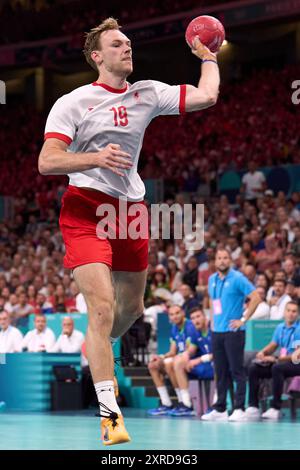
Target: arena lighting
(225,43)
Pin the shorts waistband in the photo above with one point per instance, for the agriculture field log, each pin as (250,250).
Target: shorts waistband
(98,196)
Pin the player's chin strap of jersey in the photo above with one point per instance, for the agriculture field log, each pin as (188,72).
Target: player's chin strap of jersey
(202,52)
(105,412)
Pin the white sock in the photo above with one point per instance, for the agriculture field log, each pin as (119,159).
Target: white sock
(178,393)
(164,396)
(185,397)
(106,396)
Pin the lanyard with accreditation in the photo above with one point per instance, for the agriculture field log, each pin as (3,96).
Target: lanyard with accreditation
(217,306)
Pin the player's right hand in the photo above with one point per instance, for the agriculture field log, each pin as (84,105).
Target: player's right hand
(201,51)
(260,355)
(114,159)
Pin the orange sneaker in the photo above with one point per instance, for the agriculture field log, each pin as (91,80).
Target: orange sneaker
(113,430)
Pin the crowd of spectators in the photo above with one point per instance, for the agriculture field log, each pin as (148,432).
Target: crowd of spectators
(30,20)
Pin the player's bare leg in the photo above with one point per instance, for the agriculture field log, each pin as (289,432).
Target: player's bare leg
(180,372)
(169,366)
(180,364)
(129,299)
(95,283)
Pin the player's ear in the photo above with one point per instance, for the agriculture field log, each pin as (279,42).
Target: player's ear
(97,57)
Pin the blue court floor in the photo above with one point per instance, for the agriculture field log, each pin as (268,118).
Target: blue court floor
(69,431)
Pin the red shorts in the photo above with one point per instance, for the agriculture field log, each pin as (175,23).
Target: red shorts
(78,222)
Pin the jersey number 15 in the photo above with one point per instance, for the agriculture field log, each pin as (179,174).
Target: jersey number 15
(120,116)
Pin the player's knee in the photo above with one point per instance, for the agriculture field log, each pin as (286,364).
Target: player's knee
(101,312)
(168,363)
(178,362)
(276,369)
(152,366)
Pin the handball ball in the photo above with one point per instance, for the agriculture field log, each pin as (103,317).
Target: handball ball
(209,30)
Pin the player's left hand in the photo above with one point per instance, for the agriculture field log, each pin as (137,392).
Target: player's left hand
(235,324)
(201,51)
(191,364)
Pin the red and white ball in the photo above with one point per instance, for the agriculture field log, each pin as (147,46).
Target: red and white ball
(210,31)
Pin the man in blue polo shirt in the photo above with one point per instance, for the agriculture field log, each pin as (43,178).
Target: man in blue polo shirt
(286,337)
(163,365)
(228,290)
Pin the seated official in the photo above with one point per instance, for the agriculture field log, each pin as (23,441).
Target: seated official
(10,337)
(262,311)
(278,300)
(195,362)
(71,340)
(162,366)
(21,312)
(41,338)
(266,365)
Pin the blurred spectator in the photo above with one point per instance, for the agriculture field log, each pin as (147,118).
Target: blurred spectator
(253,182)
(10,337)
(70,340)
(270,257)
(257,242)
(203,276)
(292,273)
(159,278)
(60,299)
(42,305)
(279,300)
(190,300)
(262,281)
(41,338)
(174,275)
(292,291)
(11,303)
(21,312)
(234,247)
(31,292)
(190,276)
(262,311)
(250,272)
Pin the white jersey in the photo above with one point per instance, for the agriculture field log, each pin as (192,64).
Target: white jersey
(95,115)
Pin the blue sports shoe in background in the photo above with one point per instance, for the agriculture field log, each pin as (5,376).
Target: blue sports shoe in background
(160,411)
(183,410)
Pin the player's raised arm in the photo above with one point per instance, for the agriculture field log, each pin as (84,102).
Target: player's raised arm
(206,94)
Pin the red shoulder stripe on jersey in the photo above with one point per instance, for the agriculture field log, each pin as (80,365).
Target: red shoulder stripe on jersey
(57,135)
(182,99)
(109,88)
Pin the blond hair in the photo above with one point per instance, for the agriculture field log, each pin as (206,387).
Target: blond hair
(92,38)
